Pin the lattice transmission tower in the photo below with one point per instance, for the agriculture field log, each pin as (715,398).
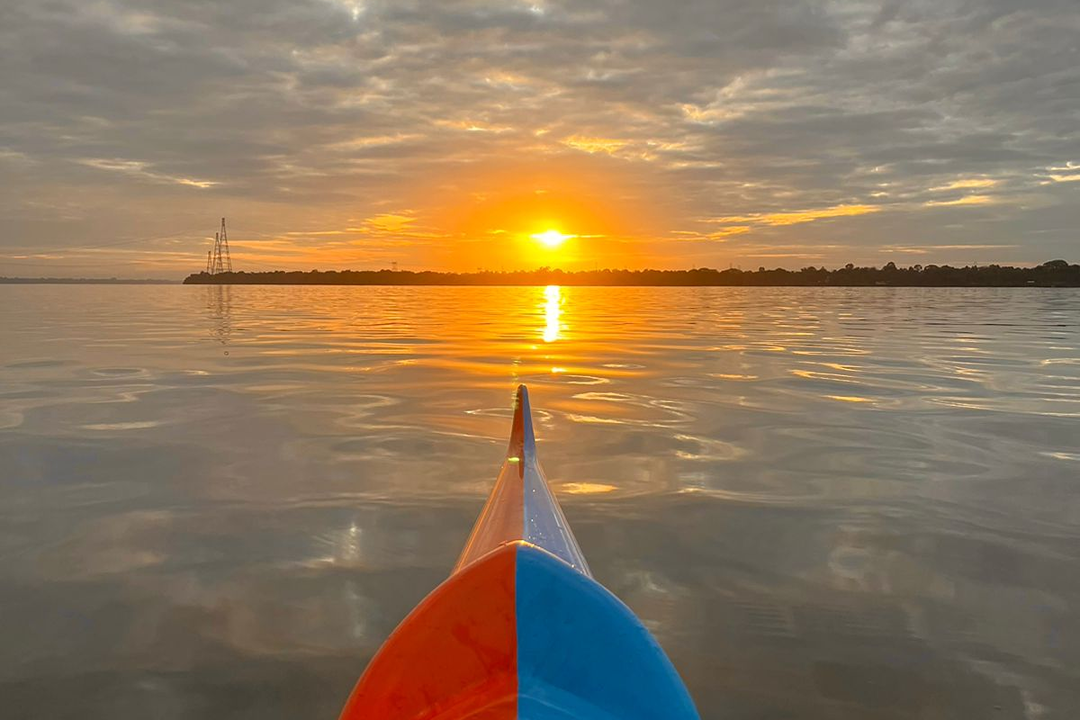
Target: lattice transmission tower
(218,259)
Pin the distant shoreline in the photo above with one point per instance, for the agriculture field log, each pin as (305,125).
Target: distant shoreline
(1056,273)
(83,281)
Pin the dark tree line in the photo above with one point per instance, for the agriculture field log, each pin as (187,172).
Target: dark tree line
(1056,273)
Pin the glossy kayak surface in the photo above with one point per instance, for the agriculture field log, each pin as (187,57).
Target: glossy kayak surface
(520,629)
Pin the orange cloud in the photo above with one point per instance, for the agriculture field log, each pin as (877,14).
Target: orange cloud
(967,200)
(474,126)
(388,222)
(729,231)
(595,144)
(967,184)
(795,217)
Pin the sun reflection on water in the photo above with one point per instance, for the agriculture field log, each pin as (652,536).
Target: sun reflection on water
(552,312)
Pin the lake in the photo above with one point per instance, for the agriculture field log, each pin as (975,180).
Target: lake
(834,503)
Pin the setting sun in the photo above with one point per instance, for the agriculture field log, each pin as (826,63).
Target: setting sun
(552,238)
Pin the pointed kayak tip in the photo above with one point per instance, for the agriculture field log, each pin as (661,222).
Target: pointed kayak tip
(522,440)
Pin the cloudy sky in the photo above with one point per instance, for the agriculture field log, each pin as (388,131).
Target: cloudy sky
(443,134)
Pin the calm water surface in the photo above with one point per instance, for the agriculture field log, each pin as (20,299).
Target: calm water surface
(826,503)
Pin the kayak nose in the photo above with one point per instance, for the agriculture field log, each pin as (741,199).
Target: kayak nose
(522,440)
(521,506)
(520,629)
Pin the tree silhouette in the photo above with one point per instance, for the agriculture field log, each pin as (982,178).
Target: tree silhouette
(1056,273)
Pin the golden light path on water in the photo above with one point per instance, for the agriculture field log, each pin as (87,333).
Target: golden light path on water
(552,313)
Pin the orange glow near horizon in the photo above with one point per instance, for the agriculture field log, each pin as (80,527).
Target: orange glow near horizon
(564,212)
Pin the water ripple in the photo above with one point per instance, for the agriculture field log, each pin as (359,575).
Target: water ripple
(807,493)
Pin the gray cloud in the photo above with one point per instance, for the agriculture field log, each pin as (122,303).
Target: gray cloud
(125,121)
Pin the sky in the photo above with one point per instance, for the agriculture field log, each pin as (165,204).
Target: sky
(444,135)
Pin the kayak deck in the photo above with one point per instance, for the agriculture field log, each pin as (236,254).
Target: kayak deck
(520,629)
(521,506)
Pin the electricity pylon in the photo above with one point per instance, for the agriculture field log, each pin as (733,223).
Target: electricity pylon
(219,260)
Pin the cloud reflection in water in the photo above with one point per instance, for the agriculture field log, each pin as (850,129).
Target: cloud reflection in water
(198,527)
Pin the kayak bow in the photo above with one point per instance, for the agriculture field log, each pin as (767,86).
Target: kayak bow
(520,629)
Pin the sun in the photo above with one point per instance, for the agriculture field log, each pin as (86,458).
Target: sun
(552,238)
